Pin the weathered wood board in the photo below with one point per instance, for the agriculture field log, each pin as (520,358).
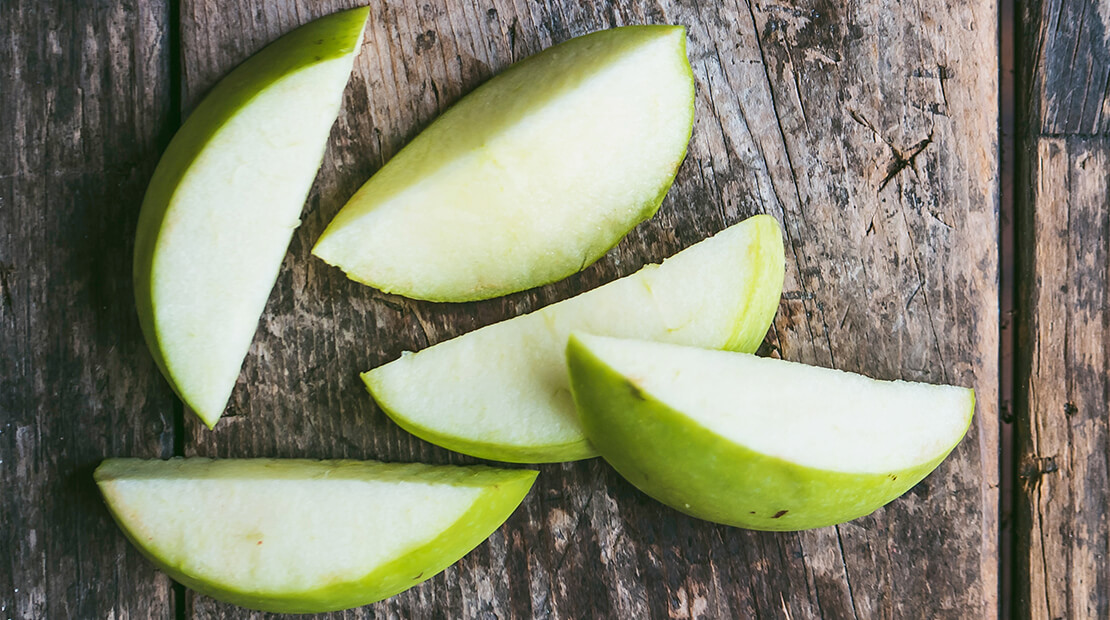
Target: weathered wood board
(84,109)
(1063,440)
(869,129)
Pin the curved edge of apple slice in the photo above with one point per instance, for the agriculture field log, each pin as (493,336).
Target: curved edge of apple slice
(327,38)
(768,255)
(474,527)
(506,453)
(506,489)
(641,437)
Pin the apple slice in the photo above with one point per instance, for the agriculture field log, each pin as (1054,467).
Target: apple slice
(531,177)
(224,201)
(502,392)
(301,536)
(755,442)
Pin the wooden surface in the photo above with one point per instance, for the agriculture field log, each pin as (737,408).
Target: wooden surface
(868,129)
(84,113)
(1063,444)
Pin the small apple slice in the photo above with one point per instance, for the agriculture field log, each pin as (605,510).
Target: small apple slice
(528,179)
(299,536)
(759,443)
(224,201)
(502,393)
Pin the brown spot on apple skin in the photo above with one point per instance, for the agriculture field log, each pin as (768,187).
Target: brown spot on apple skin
(779,514)
(637,393)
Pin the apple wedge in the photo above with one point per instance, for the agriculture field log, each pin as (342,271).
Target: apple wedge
(502,393)
(528,179)
(299,536)
(224,201)
(759,443)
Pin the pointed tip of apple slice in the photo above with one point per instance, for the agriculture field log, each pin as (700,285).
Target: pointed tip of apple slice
(209,419)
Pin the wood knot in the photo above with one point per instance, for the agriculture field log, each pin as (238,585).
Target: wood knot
(425,41)
(1038,466)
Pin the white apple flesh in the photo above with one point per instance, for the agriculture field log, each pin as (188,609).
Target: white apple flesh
(224,201)
(502,392)
(528,179)
(756,442)
(300,536)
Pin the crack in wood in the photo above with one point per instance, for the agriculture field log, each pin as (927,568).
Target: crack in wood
(903,160)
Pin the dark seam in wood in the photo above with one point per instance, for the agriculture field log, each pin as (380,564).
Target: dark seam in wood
(1105,96)
(5,288)
(847,576)
(1040,503)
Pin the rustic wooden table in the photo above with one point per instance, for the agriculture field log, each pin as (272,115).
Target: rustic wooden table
(870,129)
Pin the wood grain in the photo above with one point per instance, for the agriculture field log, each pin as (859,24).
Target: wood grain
(1061,425)
(84,103)
(868,128)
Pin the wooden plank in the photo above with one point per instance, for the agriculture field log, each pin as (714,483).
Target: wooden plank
(1062,421)
(84,102)
(1061,424)
(868,129)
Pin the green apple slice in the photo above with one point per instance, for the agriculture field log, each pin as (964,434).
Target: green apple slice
(759,443)
(224,201)
(301,536)
(502,392)
(531,177)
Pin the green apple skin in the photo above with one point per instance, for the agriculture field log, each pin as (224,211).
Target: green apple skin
(505,490)
(682,464)
(330,37)
(744,323)
(524,256)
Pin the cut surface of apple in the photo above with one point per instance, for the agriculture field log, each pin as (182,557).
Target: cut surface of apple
(528,179)
(301,536)
(755,442)
(224,201)
(502,393)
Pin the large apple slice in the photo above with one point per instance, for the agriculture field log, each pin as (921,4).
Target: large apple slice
(225,199)
(531,177)
(502,392)
(759,443)
(306,536)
